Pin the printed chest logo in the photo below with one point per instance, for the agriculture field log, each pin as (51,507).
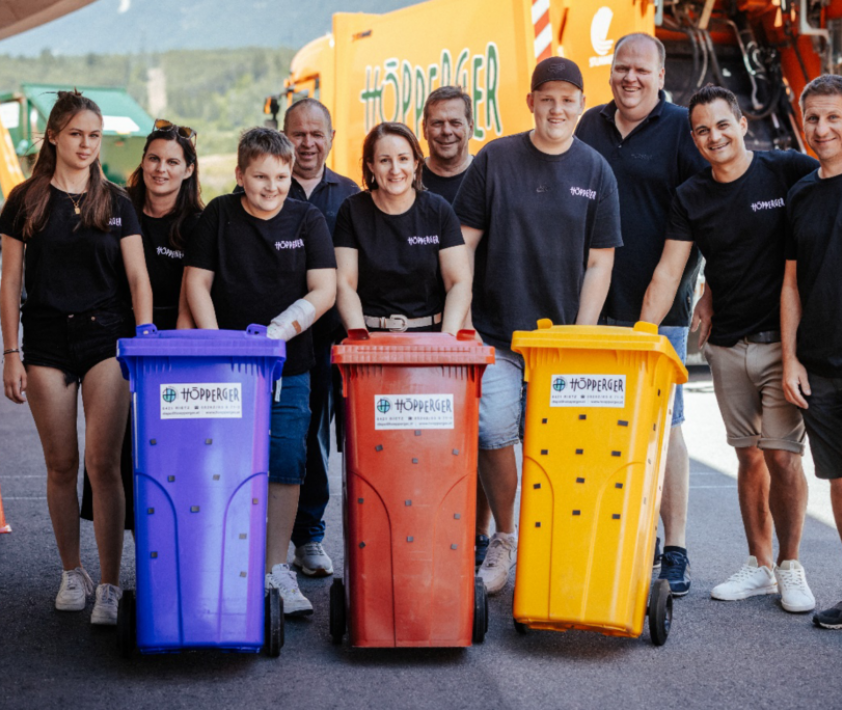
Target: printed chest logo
(115,222)
(430,239)
(583,192)
(170,253)
(768,205)
(294,244)
(600,25)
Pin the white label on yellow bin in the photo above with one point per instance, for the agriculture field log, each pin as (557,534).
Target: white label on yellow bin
(413,411)
(202,400)
(588,391)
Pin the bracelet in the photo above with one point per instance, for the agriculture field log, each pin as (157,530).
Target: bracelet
(11,350)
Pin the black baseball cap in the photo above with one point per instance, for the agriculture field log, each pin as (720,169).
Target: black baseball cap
(557,69)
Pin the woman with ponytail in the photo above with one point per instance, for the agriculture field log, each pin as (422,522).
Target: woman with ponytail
(85,273)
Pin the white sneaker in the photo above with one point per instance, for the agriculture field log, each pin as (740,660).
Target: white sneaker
(796,596)
(313,560)
(284,579)
(750,580)
(105,609)
(75,588)
(500,558)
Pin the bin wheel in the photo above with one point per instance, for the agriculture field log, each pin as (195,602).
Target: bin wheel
(520,628)
(273,631)
(480,611)
(337,611)
(660,611)
(126,624)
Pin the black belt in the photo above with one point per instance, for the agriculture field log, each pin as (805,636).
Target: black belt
(766,336)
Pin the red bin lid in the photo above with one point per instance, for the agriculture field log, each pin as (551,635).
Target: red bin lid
(364,348)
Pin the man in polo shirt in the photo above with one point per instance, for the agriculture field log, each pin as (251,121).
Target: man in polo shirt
(543,247)
(811,300)
(307,124)
(735,213)
(645,140)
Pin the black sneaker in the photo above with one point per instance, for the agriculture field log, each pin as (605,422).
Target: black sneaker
(656,563)
(480,548)
(675,568)
(829,618)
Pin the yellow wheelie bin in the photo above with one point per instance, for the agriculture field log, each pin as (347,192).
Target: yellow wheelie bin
(598,414)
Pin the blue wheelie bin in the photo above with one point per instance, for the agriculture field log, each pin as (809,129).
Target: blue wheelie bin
(202,403)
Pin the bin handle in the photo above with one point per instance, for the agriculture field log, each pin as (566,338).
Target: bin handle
(147,329)
(358,334)
(255,329)
(466,334)
(545,324)
(643,327)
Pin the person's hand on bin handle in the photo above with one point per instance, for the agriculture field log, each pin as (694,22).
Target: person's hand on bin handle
(293,321)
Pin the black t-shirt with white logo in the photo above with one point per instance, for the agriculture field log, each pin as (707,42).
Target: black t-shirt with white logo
(447,187)
(398,260)
(260,266)
(70,268)
(649,164)
(814,207)
(540,214)
(740,228)
(165,265)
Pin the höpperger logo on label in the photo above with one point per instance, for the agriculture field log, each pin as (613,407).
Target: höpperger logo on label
(600,25)
(559,384)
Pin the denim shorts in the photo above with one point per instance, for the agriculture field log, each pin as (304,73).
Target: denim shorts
(502,407)
(677,335)
(288,432)
(76,342)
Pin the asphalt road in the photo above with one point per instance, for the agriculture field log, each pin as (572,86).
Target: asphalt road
(748,654)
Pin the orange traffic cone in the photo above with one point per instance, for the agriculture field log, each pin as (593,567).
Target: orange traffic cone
(4,527)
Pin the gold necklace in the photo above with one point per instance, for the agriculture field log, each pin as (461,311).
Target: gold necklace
(76,203)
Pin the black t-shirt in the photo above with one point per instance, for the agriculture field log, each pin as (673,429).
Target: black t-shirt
(740,228)
(164,264)
(649,164)
(398,260)
(814,208)
(540,215)
(260,266)
(327,197)
(447,187)
(70,268)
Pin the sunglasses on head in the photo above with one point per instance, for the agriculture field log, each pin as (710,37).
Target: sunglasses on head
(163,125)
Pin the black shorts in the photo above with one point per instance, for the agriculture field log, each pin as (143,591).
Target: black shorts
(823,421)
(76,342)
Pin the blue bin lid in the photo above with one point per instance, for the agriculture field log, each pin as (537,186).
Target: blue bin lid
(251,342)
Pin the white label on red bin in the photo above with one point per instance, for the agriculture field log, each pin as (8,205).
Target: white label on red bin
(588,391)
(413,411)
(202,400)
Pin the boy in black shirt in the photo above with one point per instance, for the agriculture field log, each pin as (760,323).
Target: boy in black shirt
(811,300)
(259,257)
(734,212)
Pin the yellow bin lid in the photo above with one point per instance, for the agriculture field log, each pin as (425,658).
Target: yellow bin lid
(643,338)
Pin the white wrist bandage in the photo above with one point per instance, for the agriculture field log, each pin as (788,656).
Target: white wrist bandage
(293,321)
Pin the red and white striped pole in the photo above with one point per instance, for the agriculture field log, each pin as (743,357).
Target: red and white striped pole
(543,29)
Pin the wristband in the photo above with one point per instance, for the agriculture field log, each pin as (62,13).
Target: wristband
(10,351)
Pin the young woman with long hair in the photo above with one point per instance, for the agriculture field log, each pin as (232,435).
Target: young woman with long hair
(85,272)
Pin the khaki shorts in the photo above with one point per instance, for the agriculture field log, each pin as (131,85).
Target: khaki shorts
(748,381)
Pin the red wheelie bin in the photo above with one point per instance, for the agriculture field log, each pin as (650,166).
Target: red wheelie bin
(409,490)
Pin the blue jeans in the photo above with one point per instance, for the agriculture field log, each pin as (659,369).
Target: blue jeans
(315,491)
(288,431)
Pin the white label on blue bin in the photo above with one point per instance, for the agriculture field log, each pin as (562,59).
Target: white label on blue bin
(413,411)
(202,400)
(588,391)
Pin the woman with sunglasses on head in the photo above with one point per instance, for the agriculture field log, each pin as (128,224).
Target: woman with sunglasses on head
(401,261)
(85,272)
(165,192)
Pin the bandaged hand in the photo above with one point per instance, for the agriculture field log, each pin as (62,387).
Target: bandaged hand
(293,321)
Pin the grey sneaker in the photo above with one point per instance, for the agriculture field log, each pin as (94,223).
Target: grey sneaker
(105,608)
(75,588)
(313,560)
(499,560)
(796,596)
(285,580)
